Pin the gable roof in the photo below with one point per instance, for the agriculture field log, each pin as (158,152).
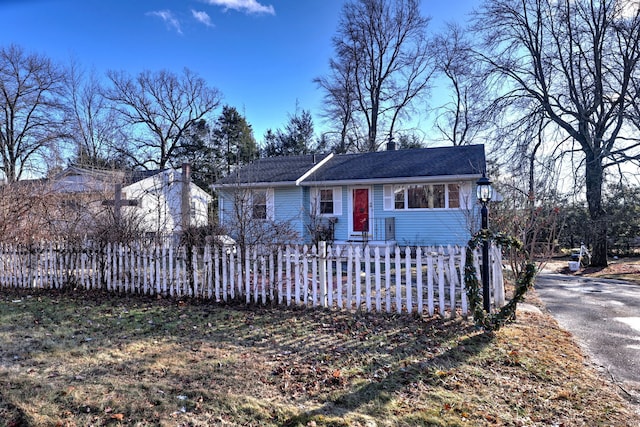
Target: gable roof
(272,170)
(383,166)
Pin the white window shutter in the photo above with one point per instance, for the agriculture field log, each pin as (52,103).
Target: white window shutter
(314,201)
(270,204)
(465,195)
(337,200)
(388,197)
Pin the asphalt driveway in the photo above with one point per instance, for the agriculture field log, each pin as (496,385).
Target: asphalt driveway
(604,316)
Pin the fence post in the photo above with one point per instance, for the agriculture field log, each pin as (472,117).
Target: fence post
(322,271)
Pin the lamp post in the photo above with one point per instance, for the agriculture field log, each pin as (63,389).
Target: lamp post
(484,192)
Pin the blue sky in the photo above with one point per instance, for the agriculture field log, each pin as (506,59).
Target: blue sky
(261,54)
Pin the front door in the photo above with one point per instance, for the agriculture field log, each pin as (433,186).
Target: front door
(361,210)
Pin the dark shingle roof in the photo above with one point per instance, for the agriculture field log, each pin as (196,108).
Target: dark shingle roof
(272,169)
(419,162)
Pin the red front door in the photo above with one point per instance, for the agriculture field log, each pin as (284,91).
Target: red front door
(361,210)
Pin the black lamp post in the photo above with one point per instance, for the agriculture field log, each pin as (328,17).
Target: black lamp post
(484,192)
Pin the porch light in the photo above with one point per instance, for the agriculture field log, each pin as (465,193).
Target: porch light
(484,192)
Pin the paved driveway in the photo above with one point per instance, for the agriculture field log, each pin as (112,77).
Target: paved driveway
(604,316)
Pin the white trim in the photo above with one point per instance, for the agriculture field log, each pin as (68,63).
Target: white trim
(314,201)
(337,201)
(350,190)
(254,184)
(440,179)
(313,169)
(388,197)
(389,201)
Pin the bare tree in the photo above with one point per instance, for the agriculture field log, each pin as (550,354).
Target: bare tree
(159,108)
(247,216)
(383,63)
(463,117)
(30,122)
(340,103)
(89,120)
(575,62)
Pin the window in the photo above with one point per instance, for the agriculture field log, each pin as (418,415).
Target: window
(454,195)
(398,195)
(326,202)
(421,196)
(259,204)
(193,213)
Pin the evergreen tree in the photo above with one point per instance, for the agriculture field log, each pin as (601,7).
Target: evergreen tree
(233,139)
(296,138)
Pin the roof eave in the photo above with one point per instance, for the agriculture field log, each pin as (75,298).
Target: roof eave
(396,180)
(254,185)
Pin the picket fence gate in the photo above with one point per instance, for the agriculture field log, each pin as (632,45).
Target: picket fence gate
(389,279)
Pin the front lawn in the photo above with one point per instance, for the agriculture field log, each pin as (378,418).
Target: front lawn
(81,359)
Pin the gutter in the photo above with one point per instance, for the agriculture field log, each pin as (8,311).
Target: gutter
(398,180)
(254,184)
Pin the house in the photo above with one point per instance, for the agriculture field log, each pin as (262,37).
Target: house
(407,197)
(157,200)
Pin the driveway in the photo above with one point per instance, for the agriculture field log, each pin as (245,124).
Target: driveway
(604,316)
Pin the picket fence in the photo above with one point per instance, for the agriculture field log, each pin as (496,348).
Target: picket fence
(389,279)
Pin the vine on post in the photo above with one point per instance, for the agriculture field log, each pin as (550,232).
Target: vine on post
(524,281)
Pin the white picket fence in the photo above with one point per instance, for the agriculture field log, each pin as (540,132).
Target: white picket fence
(423,279)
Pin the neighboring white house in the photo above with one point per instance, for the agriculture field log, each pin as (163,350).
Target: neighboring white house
(160,202)
(156,199)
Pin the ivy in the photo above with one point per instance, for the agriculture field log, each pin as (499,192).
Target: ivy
(524,281)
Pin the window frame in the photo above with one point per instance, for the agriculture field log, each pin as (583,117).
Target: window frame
(316,201)
(268,205)
(393,202)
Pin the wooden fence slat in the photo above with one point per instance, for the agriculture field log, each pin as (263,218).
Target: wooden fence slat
(330,288)
(367,276)
(255,276)
(419,293)
(338,254)
(263,273)
(288,273)
(408,285)
(453,279)
(247,275)
(297,275)
(358,277)
(305,277)
(387,278)
(398,287)
(349,277)
(353,275)
(441,283)
(376,257)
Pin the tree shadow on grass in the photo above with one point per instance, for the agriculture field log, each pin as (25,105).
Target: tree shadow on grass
(378,392)
(11,415)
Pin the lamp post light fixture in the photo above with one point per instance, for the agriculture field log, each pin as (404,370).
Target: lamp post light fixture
(484,192)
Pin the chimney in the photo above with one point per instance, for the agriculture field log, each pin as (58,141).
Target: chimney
(391,144)
(186,196)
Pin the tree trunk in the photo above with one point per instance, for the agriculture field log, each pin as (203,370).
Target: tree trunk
(594,178)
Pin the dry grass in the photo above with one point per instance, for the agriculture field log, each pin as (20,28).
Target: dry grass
(103,360)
